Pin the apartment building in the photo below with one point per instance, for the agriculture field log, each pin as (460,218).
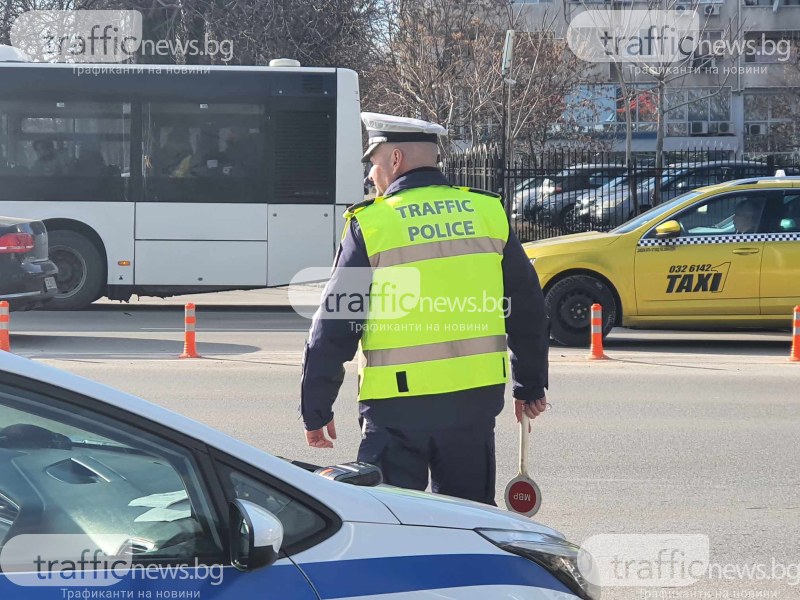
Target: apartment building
(739,91)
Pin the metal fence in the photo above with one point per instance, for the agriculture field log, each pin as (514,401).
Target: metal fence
(563,192)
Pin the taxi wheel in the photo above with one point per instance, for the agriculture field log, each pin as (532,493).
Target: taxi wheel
(569,305)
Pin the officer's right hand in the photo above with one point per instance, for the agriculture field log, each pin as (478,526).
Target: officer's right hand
(317,439)
(531,409)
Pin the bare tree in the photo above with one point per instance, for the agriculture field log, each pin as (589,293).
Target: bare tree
(666,69)
(323,33)
(441,61)
(781,109)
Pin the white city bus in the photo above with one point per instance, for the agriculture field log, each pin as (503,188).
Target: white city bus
(165,180)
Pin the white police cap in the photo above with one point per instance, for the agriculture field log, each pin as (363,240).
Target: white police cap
(389,128)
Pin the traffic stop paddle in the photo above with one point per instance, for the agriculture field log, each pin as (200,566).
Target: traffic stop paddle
(522,494)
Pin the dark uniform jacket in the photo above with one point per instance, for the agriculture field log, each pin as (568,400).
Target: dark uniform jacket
(333,342)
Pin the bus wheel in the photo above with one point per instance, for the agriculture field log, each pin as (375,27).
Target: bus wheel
(80,270)
(569,305)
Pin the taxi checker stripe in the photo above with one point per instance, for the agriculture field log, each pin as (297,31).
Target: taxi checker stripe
(723,239)
(391,575)
(438,351)
(442,249)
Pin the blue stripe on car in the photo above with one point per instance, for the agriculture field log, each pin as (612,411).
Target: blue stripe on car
(334,579)
(391,575)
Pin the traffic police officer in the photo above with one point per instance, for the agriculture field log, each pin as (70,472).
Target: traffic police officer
(432,372)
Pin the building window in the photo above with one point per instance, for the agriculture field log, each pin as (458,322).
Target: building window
(602,108)
(770,122)
(771,3)
(771,47)
(591,108)
(698,111)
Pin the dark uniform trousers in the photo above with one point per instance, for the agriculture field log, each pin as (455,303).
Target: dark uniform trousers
(461,459)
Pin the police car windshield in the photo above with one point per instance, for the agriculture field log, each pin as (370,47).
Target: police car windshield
(654,213)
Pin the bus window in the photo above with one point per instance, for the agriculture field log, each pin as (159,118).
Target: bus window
(64,151)
(196,152)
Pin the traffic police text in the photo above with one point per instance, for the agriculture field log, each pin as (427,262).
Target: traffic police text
(438,230)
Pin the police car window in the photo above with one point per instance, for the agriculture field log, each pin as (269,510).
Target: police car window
(723,215)
(67,470)
(300,522)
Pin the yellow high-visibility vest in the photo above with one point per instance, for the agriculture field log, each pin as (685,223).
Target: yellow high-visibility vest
(435,322)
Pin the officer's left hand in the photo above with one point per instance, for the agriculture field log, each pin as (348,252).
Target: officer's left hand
(531,409)
(317,439)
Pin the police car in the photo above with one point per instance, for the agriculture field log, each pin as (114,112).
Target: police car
(720,256)
(198,514)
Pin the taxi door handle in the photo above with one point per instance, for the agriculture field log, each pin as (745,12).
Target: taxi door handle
(746,251)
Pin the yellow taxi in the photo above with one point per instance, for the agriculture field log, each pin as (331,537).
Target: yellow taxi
(721,256)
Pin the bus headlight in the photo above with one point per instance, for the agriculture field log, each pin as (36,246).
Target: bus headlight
(557,555)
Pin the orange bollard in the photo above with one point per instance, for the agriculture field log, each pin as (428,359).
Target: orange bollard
(5,340)
(189,345)
(795,355)
(596,350)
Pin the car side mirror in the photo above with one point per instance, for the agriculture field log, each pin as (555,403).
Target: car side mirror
(668,229)
(256,536)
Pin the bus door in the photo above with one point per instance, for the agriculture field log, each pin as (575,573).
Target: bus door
(202,216)
(302,185)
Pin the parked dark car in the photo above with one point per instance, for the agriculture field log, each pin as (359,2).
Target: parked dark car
(615,205)
(553,196)
(27,275)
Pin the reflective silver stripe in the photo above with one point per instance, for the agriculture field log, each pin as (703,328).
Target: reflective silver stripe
(190,314)
(597,314)
(439,351)
(442,249)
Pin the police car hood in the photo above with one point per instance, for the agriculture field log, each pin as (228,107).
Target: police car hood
(432,510)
